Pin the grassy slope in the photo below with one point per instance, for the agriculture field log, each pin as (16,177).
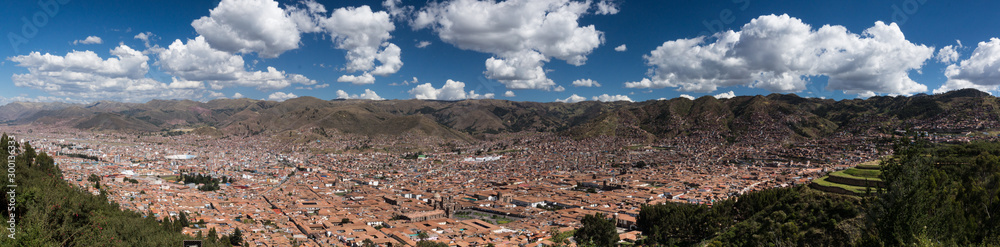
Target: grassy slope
(822,181)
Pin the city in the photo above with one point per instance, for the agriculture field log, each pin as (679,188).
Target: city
(529,123)
(511,190)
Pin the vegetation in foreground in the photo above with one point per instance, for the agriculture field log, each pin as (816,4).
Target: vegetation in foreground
(933,195)
(51,212)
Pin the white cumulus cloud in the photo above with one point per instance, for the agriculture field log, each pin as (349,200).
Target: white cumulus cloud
(473,95)
(687,96)
(611,98)
(572,99)
(947,54)
(980,71)
(196,60)
(147,37)
(307,15)
(217,95)
(521,34)
(368,95)
(246,26)
(363,79)
(726,95)
(86,76)
(281,96)
(238,95)
(396,11)
(586,83)
(605,7)
(779,53)
(423,44)
(509,94)
(89,40)
(363,34)
(866,94)
(390,60)
(452,90)
(621,48)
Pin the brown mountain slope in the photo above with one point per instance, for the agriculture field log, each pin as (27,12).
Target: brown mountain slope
(19,110)
(776,117)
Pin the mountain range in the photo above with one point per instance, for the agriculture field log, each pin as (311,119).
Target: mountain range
(775,117)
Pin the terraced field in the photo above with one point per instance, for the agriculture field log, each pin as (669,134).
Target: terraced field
(854,181)
(822,184)
(865,173)
(870,165)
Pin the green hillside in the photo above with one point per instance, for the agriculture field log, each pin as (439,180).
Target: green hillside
(51,212)
(945,195)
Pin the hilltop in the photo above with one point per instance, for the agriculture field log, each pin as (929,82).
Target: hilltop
(775,117)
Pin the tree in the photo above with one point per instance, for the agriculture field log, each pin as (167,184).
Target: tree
(559,238)
(942,194)
(368,243)
(598,230)
(236,238)
(422,235)
(29,153)
(183,220)
(57,213)
(213,235)
(94,178)
(425,243)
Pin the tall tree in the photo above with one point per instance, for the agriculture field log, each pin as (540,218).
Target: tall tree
(236,238)
(183,220)
(213,235)
(29,154)
(598,230)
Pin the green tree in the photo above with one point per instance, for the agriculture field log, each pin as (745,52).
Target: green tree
(943,194)
(213,235)
(236,238)
(29,154)
(425,243)
(597,229)
(559,238)
(183,220)
(53,212)
(368,243)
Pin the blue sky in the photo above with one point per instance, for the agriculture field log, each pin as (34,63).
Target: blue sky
(543,50)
